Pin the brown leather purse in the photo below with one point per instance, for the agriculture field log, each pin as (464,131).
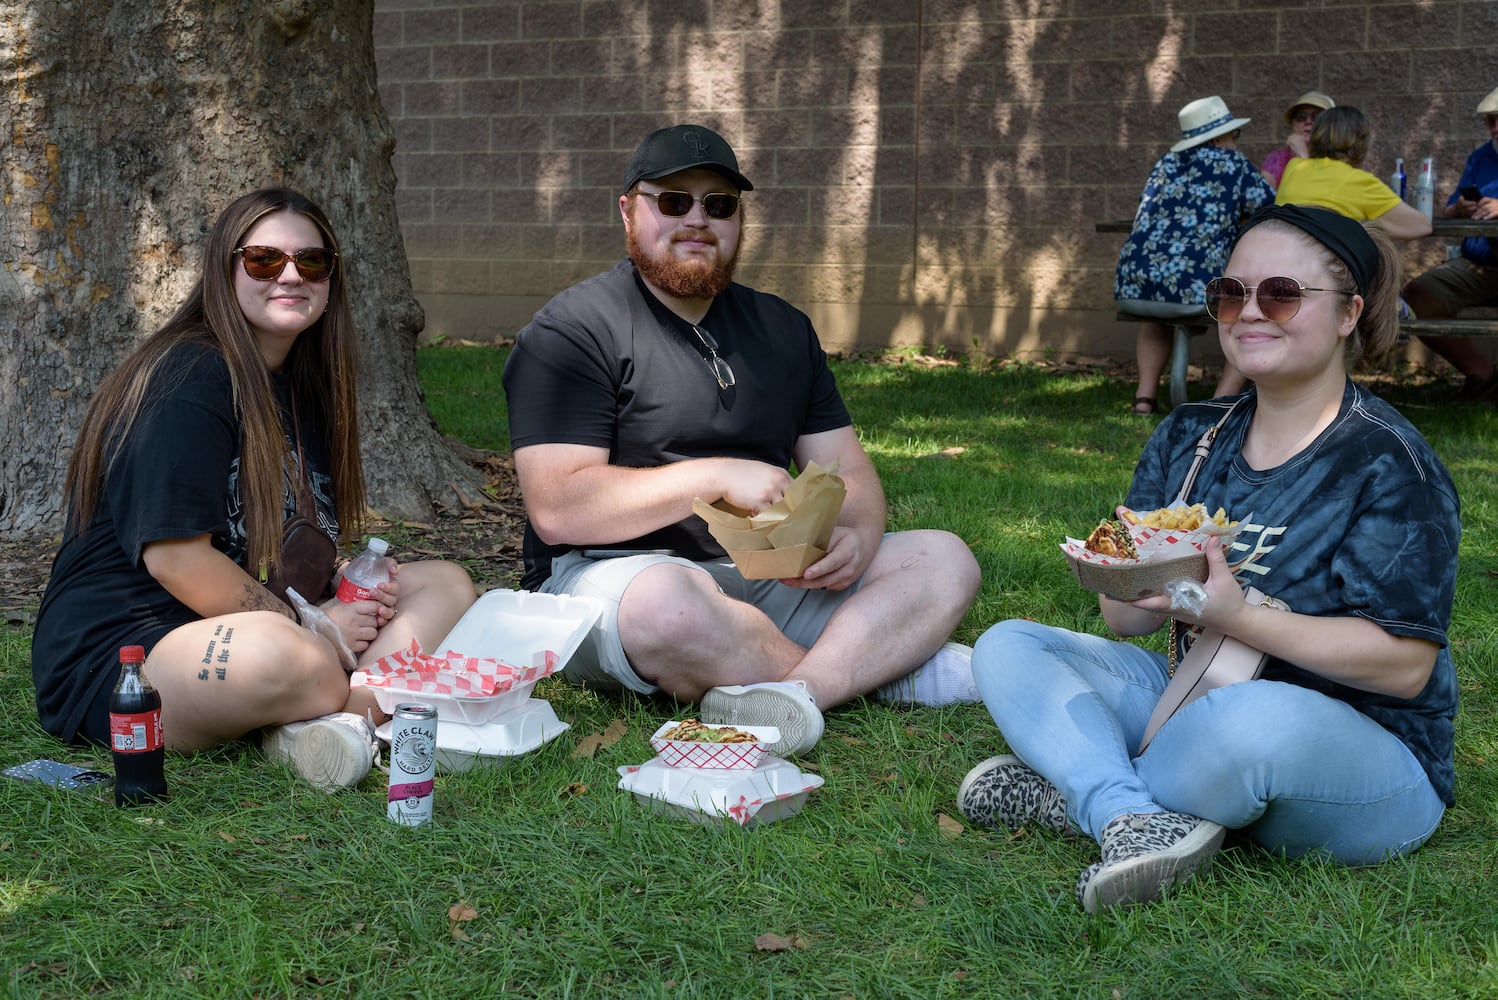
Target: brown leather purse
(308,555)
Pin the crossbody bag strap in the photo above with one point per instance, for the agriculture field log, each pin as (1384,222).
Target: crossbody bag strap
(1203,446)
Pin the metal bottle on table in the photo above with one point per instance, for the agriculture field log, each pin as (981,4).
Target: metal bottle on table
(1398,180)
(1425,187)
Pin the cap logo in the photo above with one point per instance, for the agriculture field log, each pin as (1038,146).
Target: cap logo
(699,145)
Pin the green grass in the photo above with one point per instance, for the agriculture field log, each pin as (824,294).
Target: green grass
(249,883)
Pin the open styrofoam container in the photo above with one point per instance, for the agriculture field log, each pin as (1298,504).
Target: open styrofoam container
(514,626)
(776,789)
(522,729)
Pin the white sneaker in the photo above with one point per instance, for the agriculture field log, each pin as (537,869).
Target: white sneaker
(785,704)
(330,752)
(945,679)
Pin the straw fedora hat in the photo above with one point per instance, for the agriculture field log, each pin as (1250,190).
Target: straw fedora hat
(1489,105)
(1203,119)
(1311,98)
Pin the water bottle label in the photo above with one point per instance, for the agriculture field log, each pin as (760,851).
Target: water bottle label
(135,732)
(349,591)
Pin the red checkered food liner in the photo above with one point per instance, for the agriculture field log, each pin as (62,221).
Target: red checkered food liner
(1154,544)
(715,756)
(454,673)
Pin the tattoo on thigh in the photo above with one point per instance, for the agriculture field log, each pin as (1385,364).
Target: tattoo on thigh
(216,655)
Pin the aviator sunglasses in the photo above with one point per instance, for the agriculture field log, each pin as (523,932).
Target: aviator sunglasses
(1279,298)
(675,204)
(266,263)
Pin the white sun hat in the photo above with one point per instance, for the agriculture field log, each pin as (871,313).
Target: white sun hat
(1204,119)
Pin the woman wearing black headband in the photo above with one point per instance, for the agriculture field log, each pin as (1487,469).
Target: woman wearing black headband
(1344,748)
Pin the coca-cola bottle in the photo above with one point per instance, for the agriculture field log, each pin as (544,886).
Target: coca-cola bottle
(365,572)
(135,733)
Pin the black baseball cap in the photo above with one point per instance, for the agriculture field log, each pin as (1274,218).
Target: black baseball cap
(683,147)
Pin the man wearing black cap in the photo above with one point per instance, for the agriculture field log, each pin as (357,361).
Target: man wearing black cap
(662,380)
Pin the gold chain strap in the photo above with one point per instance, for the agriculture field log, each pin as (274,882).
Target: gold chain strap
(1170,654)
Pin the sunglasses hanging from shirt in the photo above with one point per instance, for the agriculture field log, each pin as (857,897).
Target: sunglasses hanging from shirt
(721,372)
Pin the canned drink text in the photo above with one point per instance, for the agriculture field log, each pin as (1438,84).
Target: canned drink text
(413,763)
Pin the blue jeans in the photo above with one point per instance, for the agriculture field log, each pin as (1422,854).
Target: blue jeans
(1300,772)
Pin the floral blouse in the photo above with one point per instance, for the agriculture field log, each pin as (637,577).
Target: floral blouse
(1188,215)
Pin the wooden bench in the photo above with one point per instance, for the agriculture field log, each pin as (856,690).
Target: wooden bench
(1449,327)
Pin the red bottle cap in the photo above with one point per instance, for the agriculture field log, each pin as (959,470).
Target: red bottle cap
(132,654)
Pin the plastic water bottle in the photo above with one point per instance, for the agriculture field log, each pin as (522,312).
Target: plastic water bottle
(1397,181)
(135,733)
(1425,187)
(366,572)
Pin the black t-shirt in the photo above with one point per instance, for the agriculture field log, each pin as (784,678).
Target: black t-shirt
(605,364)
(176,476)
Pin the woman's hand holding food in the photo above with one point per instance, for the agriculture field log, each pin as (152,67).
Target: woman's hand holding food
(1224,602)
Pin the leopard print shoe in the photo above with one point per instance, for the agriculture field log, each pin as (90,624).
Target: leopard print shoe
(1005,791)
(1144,855)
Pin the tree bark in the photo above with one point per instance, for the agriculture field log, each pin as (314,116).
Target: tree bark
(129,125)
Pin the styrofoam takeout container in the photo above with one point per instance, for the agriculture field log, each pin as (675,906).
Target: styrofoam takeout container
(521,729)
(777,789)
(513,626)
(715,756)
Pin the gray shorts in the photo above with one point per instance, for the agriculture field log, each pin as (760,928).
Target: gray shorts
(1460,284)
(600,662)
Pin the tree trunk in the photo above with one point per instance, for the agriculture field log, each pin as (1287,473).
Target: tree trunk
(129,126)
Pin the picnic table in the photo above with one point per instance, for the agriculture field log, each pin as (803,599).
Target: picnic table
(1441,228)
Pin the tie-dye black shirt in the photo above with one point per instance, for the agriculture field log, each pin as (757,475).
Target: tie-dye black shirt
(1363,522)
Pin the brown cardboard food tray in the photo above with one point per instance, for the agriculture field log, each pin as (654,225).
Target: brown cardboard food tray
(1132,581)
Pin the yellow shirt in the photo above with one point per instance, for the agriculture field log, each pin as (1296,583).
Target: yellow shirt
(1332,184)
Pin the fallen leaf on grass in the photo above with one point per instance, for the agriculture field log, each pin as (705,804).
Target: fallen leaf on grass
(459,913)
(960,974)
(949,827)
(779,942)
(589,745)
(574,790)
(226,837)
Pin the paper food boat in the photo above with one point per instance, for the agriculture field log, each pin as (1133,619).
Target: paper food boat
(534,635)
(1163,556)
(519,730)
(779,543)
(714,756)
(775,790)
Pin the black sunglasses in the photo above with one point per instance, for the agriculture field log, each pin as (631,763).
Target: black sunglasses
(1279,298)
(266,263)
(675,204)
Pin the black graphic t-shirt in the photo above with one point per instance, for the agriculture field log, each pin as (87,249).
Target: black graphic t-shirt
(176,476)
(1364,522)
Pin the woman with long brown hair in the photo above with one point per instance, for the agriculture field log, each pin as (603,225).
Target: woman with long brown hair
(234,416)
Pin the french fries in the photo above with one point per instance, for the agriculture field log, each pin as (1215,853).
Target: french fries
(1180,518)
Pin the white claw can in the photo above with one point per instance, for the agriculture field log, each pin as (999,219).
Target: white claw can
(413,763)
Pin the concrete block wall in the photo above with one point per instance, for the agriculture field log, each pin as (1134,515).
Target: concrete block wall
(926,171)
